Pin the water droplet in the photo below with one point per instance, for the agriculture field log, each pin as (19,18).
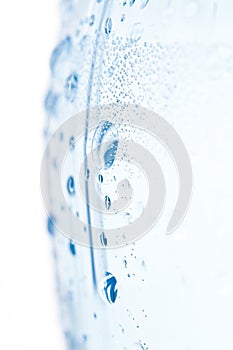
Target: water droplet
(110,290)
(87,174)
(71,87)
(72,248)
(125,263)
(110,154)
(108,26)
(100,178)
(72,143)
(136,32)
(107,202)
(131,2)
(70,186)
(94,315)
(60,53)
(103,239)
(98,1)
(92,20)
(143,4)
(50,102)
(50,225)
(123,17)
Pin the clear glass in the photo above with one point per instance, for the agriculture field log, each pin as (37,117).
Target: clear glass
(176,59)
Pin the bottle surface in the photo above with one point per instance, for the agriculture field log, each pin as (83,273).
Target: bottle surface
(160,291)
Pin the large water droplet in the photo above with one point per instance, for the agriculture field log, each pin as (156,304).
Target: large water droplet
(71,87)
(108,26)
(71,186)
(110,290)
(60,53)
(136,32)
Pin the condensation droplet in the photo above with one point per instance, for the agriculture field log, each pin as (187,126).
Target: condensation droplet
(72,143)
(143,4)
(72,248)
(100,178)
(131,2)
(123,17)
(50,102)
(50,225)
(60,53)
(108,26)
(71,87)
(70,186)
(92,20)
(109,289)
(136,32)
(107,202)
(103,239)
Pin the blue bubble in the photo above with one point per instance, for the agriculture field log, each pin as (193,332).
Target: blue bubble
(108,26)
(72,248)
(60,53)
(71,87)
(70,186)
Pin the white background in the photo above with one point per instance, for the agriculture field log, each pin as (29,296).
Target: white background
(28,312)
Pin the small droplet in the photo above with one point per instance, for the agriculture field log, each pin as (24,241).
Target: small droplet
(100,178)
(123,17)
(60,53)
(72,143)
(108,26)
(71,87)
(50,102)
(131,2)
(103,239)
(50,225)
(136,32)
(72,248)
(71,186)
(92,20)
(87,174)
(110,290)
(107,202)
(94,315)
(143,4)
(125,263)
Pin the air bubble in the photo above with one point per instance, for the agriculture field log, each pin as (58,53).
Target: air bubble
(70,186)
(108,26)
(71,87)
